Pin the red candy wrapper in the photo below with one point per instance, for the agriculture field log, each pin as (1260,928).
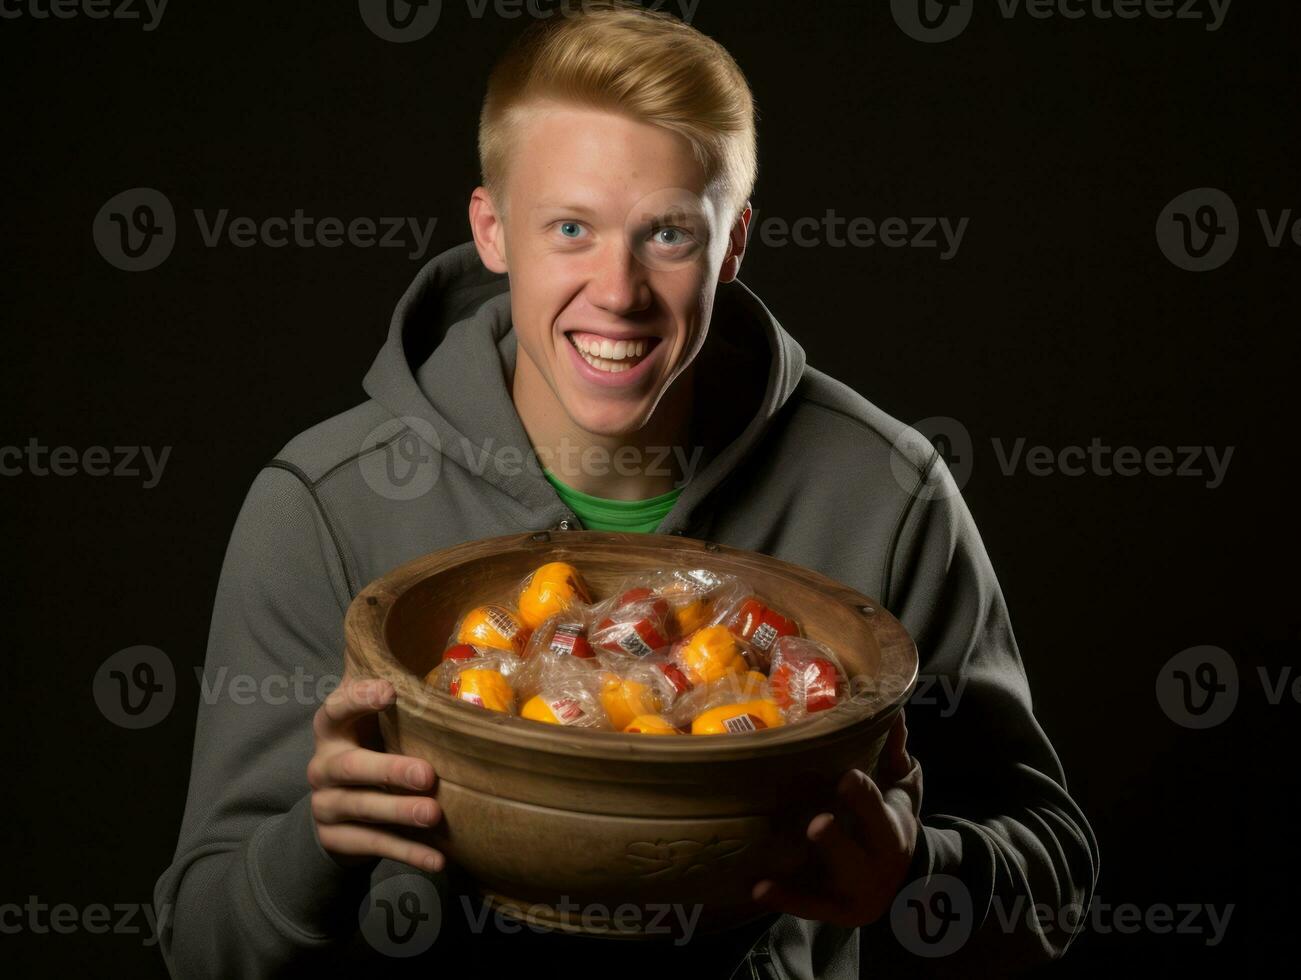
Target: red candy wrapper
(806,676)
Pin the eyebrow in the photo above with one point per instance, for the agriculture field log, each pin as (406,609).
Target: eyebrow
(566,206)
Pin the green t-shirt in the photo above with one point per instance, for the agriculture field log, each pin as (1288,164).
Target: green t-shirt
(602,514)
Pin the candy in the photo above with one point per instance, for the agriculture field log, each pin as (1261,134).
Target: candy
(493,626)
(624,699)
(635,626)
(709,654)
(669,652)
(760,626)
(485,688)
(650,725)
(731,719)
(571,708)
(552,588)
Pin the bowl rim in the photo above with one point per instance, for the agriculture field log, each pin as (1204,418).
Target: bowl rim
(367,617)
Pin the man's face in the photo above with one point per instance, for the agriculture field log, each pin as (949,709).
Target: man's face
(614,251)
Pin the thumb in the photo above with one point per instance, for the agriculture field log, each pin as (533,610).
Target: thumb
(898,761)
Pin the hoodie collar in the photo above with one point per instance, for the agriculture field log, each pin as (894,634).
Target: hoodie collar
(451,351)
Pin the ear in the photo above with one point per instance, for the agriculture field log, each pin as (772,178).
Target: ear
(736,246)
(489,230)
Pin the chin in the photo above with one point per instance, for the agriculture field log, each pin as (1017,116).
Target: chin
(608,420)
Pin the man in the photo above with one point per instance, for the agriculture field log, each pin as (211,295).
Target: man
(598,312)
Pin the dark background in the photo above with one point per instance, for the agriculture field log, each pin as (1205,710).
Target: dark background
(1059,320)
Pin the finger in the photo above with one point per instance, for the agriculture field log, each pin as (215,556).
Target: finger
(868,810)
(371,806)
(366,767)
(366,841)
(351,701)
(906,793)
(847,862)
(894,755)
(796,901)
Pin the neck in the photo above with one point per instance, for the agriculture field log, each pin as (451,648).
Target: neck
(634,466)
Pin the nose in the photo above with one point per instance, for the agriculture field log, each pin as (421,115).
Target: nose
(618,281)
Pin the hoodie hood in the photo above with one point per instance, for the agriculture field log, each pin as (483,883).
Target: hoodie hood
(450,355)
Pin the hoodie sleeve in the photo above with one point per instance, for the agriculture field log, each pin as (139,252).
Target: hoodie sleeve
(996,813)
(250,891)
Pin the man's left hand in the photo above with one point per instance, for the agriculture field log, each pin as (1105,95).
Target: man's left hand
(866,858)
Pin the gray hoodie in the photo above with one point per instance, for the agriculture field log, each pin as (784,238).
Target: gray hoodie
(804,469)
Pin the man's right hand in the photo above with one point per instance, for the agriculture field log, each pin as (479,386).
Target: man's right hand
(361,797)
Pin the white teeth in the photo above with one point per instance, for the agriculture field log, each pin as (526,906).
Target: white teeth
(609,355)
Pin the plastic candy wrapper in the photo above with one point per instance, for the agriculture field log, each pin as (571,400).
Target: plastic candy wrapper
(644,688)
(573,705)
(709,654)
(556,588)
(744,688)
(635,622)
(558,654)
(696,596)
(758,624)
(482,680)
(674,651)
(651,725)
(492,625)
(806,676)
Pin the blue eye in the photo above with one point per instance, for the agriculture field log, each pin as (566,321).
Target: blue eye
(567,226)
(671,231)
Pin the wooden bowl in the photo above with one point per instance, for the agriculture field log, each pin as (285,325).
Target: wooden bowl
(557,824)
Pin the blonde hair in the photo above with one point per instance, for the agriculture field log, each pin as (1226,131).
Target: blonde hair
(648,65)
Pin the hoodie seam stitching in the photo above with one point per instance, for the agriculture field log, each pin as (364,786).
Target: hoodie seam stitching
(325,516)
(887,573)
(864,425)
(313,484)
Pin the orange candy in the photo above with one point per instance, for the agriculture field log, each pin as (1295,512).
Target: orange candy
(710,654)
(625,699)
(484,687)
(747,716)
(650,725)
(493,626)
(561,710)
(552,588)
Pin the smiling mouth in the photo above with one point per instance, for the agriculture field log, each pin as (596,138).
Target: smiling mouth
(611,356)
